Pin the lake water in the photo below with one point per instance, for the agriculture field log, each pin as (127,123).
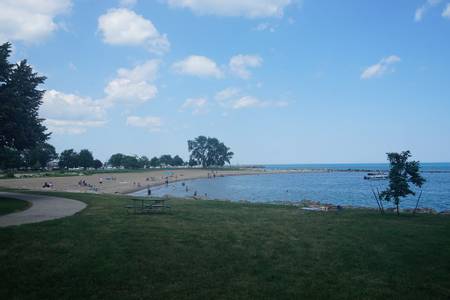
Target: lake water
(343,188)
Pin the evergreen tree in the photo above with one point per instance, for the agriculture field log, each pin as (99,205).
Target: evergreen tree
(21,129)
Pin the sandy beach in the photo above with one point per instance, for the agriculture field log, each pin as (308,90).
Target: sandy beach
(122,183)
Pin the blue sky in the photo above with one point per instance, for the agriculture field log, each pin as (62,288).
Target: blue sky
(278,81)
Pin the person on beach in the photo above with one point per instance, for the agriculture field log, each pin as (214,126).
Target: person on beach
(149,191)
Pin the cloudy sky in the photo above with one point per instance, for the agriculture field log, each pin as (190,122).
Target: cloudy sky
(279,81)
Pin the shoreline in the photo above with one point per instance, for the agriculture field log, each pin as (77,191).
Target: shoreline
(127,182)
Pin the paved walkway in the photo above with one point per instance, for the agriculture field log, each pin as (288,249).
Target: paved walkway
(44,208)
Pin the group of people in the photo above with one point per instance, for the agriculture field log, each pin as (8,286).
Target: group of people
(86,184)
(83,183)
(47,185)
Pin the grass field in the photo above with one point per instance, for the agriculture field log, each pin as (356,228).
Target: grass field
(222,250)
(8,205)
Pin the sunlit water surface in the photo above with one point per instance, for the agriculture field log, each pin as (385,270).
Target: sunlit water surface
(343,188)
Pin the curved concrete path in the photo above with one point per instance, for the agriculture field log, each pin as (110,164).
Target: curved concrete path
(44,208)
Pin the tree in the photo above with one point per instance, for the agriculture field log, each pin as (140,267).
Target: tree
(130,162)
(154,162)
(116,160)
(97,164)
(40,156)
(198,149)
(20,126)
(85,159)
(177,161)
(10,158)
(144,162)
(208,152)
(68,159)
(402,172)
(166,160)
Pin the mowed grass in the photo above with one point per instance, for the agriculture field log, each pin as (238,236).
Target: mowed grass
(8,205)
(222,250)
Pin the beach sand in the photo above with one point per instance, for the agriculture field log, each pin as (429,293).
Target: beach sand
(121,183)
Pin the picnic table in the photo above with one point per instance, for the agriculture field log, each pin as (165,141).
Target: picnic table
(144,205)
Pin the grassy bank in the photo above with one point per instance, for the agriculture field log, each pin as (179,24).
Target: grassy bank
(214,250)
(8,205)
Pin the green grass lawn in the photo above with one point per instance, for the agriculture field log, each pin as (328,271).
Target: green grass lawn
(222,250)
(8,205)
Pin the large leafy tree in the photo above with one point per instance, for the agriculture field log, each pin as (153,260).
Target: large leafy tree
(115,160)
(10,159)
(97,164)
(166,160)
(402,173)
(154,162)
(40,156)
(130,162)
(85,159)
(68,159)
(206,151)
(127,161)
(144,162)
(20,125)
(177,161)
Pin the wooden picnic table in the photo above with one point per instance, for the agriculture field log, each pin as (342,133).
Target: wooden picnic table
(147,205)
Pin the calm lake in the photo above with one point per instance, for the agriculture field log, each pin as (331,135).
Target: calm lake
(343,188)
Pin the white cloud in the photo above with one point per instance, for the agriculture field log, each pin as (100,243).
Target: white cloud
(420,11)
(233,98)
(253,102)
(265,27)
(239,64)
(152,124)
(234,8)
(134,85)
(197,105)
(68,113)
(196,65)
(446,12)
(124,27)
(379,69)
(71,127)
(226,94)
(246,102)
(28,20)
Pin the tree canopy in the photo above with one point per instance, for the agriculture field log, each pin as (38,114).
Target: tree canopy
(119,160)
(20,125)
(402,172)
(85,159)
(207,152)
(68,159)
(40,156)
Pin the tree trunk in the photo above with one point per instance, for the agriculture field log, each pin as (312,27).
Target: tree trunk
(398,211)
(417,203)
(378,201)
(381,201)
